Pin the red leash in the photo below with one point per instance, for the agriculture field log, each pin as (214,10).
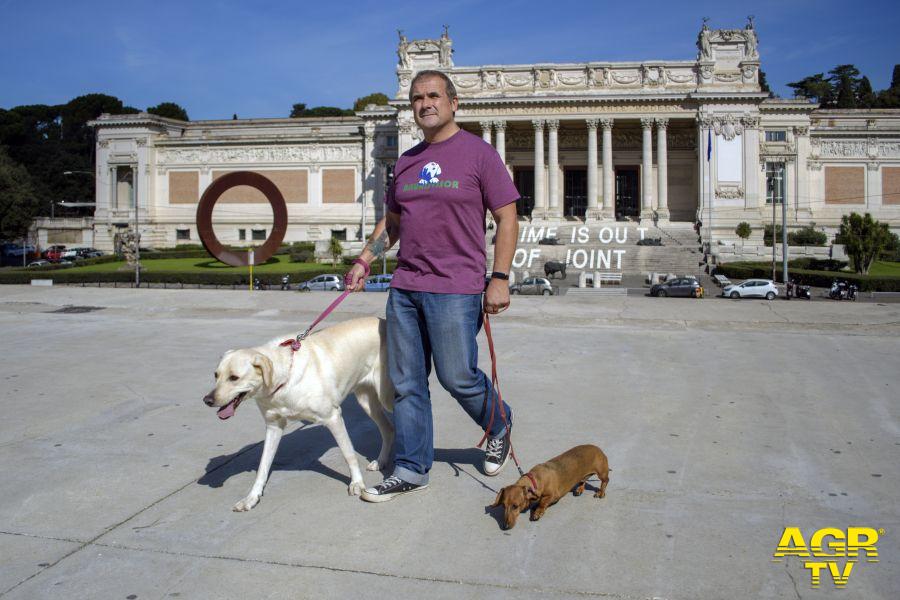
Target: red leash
(295,342)
(495,384)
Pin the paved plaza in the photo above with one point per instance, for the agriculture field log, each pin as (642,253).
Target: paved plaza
(724,422)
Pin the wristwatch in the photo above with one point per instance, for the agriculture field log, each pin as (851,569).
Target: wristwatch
(499,275)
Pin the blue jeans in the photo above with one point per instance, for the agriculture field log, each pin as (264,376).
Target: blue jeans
(422,326)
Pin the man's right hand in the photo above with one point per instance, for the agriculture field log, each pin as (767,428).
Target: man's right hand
(355,279)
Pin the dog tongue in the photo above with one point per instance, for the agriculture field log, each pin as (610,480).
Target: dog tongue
(226,411)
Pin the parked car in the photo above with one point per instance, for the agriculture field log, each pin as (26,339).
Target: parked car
(329,283)
(379,283)
(87,252)
(683,287)
(39,263)
(533,285)
(69,255)
(53,253)
(11,254)
(752,288)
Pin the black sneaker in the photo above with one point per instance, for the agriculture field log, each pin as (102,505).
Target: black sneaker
(496,453)
(389,489)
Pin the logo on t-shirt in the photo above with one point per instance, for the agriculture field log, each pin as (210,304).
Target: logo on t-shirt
(429,173)
(428,179)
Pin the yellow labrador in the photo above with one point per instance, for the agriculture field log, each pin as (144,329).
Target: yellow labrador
(309,385)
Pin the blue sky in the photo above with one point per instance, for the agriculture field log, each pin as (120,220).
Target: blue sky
(258,58)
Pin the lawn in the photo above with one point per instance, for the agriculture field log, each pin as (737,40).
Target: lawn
(880,267)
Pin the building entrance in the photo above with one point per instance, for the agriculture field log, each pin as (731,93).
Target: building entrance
(575,193)
(524,180)
(628,193)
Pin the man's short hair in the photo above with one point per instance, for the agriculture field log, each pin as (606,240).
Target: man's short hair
(427,73)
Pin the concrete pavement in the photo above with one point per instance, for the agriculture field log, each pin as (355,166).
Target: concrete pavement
(724,421)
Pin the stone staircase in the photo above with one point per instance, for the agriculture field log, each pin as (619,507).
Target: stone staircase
(606,247)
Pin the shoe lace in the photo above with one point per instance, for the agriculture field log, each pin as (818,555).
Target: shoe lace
(494,448)
(389,482)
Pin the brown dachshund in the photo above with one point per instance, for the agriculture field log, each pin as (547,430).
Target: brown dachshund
(547,482)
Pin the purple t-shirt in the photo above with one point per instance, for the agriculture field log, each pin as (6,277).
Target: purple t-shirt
(442,191)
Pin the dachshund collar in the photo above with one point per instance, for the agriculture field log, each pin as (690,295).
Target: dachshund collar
(533,482)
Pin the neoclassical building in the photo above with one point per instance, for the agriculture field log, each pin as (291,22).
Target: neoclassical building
(660,143)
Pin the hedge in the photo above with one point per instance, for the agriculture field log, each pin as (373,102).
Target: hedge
(24,276)
(866,283)
(193,251)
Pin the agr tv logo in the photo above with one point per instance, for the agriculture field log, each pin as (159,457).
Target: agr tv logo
(828,546)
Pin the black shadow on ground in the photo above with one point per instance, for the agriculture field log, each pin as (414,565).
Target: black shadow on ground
(301,449)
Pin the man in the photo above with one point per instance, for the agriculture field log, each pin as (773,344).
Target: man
(436,208)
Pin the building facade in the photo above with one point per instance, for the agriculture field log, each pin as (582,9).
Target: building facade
(660,143)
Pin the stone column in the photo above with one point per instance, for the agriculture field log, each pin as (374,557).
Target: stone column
(369,177)
(540,204)
(593,207)
(554,209)
(662,170)
(609,210)
(647,170)
(500,126)
(486,131)
(801,184)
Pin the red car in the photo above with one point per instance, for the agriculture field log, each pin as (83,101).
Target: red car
(53,253)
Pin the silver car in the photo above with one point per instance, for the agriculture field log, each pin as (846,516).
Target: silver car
(328,283)
(752,288)
(533,285)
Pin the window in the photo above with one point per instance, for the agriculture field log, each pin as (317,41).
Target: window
(123,190)
(775,184)
(242,234)
(339,234)
(182,234)
(776,136)
(258,234)
(391,141)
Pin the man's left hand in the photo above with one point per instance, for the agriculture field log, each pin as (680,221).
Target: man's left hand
(496,297)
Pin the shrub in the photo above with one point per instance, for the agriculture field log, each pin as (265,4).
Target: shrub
(767,234)
(891,251)
(335,249)
(817,264)
(743,230)
(807,236)
(303,252)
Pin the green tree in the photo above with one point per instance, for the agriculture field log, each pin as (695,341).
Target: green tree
(335,249)
(764,84)
(376,98)
(865,96)
(50,140)
(300,110)
(815,87)
(844,80)
(170,110)
(743,231)
(18,202)
(890,98)
(863,239)
(78,111)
